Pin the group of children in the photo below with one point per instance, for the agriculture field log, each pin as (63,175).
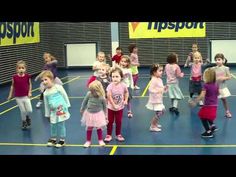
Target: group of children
(110,90)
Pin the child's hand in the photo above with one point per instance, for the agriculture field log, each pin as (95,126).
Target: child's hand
(166,88)
(29,94)
(125,102)
(192,103)
(116,107)
(181,74)
(185,65)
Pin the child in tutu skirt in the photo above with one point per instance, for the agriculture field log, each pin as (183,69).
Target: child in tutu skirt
(93,110)
(210,92)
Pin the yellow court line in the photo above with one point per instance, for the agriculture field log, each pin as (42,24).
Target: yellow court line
(1,113)
(113,150)
(32,92)
(145,90)
(114,147)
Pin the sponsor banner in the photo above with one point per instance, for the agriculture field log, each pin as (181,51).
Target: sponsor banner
(14,33)
(166,29)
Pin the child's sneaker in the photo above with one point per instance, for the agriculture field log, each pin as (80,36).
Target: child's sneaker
(159,126)
(120,138)
(24,125)
(38,105)
(207,134)
(60,143)
(108,138)
(214,128)
(130,115)
(176,111)
(87,144)
(228,114)
(28,120)
(201,103)
(101,143)
(154,129)
(52,142)
(136,87)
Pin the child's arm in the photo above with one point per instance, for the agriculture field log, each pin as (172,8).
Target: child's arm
(30,88)
(11,90)
(46,105)
(126,96)
(37,77)
(187,62)
(110,99)
(199,98)
(178,72)
(84,103)
(64,94)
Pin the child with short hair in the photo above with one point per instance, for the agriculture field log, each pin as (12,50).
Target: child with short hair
(222,75)
(56,107)
(156,91)
(173,72)
(21,88)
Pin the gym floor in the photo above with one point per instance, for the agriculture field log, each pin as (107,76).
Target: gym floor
(180,135)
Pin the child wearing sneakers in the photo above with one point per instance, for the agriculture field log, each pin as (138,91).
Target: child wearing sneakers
(128,80)
(173,72)
(134,64)
(195,80)
(155,101)
(207,113)
(93,110)
(117,94)
(51,65)
(222,75)
(56,104)
(21,87)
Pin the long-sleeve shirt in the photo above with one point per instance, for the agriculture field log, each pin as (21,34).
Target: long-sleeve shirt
(93,104)
(56,114)
(173,72)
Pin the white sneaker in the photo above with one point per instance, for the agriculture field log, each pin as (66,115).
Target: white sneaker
(87,144)
(155,129)
(101,143)
(136,87)
(201,103)
(159,126)
(39,104)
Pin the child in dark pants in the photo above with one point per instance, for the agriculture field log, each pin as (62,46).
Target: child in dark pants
(207,113)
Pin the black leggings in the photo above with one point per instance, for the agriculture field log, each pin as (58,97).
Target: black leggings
(206,124)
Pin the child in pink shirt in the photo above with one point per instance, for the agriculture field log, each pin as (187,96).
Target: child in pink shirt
(117,94)
(173,72)
(155,101)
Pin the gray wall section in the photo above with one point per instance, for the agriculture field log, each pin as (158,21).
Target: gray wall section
(53,35)
(156,50)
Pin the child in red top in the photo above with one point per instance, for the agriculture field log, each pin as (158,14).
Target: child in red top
(21,87)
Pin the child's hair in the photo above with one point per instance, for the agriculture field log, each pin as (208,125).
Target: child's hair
(154,68)
(46,73)
(221,55)
(21,62)
(50,55)
(100,53)
(197,53)
(172,58)
(118,48)
(107,66)
(127,60)
(116,69)
(195,44)
(97,87)
(131,47)
(209,75)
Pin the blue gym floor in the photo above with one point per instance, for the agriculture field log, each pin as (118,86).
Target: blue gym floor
(180,135)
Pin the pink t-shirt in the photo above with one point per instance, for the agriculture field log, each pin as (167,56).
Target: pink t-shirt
(196,70)
(21,85)
(173,72)
(156,90)
(117,92)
